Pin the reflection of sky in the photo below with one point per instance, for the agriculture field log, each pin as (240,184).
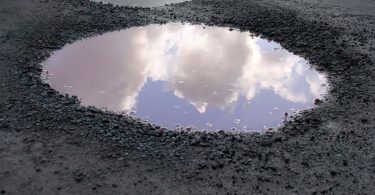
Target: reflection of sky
(184,74)
(140,3)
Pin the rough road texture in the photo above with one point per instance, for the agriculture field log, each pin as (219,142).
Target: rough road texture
(51,145)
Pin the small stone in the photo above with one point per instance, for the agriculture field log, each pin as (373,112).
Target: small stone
(318,102)
(333,173)
(202,165)
(221,165)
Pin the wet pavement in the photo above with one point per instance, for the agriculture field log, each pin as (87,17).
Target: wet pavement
(192,76)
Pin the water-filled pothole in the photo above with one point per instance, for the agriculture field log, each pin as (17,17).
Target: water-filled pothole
(140,3)
(181,74)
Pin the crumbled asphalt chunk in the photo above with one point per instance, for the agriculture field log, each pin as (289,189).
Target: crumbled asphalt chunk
(78,177)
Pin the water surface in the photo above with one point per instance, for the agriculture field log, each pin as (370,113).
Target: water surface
(140,3)
(187,75)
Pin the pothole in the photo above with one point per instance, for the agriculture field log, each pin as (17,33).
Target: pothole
(140,3)
(182,75)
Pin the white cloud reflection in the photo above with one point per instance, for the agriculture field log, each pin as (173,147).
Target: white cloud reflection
(206,67)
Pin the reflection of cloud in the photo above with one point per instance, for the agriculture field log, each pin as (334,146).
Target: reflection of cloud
(206,67)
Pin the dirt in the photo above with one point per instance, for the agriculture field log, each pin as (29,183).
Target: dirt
(52,145)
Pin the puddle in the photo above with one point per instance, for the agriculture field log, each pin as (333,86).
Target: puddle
(140,3)
(180,75)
